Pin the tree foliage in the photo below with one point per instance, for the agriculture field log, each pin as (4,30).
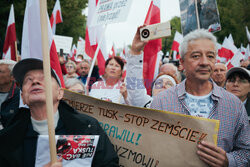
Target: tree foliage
(234,17)
(73,21)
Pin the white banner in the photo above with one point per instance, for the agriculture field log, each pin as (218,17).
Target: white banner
(111,11)
(63,42)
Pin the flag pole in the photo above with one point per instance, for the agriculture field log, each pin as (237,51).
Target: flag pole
(94,59)
(48,84)
(197,15)
(16,51)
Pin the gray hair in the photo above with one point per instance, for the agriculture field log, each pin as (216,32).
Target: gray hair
(195,35)
(10,64)
(69,82)
(72,63)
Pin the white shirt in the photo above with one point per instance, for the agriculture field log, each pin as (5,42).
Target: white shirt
(199,106)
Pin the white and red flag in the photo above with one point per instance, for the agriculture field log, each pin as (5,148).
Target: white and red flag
(235,61)
(228,50)
(73,53)
(178,38)
(9,50)
(32,40)
(152,47)
(112,53)
(92,37)
(56,16)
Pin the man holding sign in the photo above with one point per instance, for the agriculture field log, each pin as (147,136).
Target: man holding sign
(19,139)
(199,96)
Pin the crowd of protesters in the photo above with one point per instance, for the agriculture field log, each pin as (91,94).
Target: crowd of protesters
(198,86)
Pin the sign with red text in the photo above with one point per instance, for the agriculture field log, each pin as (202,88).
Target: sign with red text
(111,11)
(146,137)
(75,150)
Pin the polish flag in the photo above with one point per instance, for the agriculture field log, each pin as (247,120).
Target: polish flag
(92,37)
(31,37)
(178,38)
(248,34)
(218,58)
(56,16)
(235,61)
(227,50)
(112,53)
(242,49)
(152,47)
(73,53)
(9,51)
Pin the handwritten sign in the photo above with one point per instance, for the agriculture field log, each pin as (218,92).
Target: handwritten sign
(146,137)
(111,11)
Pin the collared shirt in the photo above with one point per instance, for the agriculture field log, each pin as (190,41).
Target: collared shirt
(234,131)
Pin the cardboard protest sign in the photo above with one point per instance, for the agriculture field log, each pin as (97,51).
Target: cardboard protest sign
(146,137)
(75,150)
(111,11)
(207,14)
(63,42)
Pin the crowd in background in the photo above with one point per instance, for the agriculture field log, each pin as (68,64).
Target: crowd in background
(113,86)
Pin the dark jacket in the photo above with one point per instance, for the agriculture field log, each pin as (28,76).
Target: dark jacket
(14,137)
(11,104)
(93,78)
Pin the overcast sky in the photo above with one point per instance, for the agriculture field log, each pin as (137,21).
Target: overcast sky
(123,33)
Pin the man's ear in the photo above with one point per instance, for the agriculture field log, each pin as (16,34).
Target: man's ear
(60,94)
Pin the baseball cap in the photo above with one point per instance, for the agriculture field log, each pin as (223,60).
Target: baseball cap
(22,67)
(238,70)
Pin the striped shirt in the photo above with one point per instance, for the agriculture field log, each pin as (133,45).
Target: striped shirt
(234,131)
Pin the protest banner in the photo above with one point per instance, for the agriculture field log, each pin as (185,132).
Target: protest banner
(63,42)
(111,11)
(146,137)
(75,150)
(196,14)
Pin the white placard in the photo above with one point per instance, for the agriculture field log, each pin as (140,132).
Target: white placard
(80,47)
(63,42)
(111,11)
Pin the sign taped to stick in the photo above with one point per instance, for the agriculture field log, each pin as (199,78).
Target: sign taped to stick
(146,137)
(111,11)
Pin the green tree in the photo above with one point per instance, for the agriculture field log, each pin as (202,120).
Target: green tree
(73,21)
(234,16)
(175,26)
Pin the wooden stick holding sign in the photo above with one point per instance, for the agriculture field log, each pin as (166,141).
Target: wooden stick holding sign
(48,84)
(93,61)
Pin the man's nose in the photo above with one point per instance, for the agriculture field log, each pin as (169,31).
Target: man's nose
(204,60)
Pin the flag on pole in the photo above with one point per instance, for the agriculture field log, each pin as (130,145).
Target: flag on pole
(73,53)
(178,38)
(9,49)
(31,37)
(113,53)
(248,34)
(235,61)
(228,49)
(92,37)
(56,16)
(152,47)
